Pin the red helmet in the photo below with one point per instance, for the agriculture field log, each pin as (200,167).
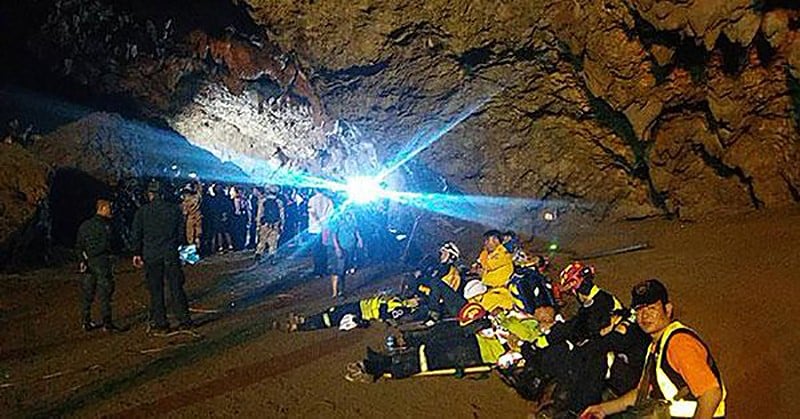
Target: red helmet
(574,274)
(470,312)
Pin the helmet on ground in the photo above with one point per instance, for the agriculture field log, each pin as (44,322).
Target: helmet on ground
(452,251)
(574,275)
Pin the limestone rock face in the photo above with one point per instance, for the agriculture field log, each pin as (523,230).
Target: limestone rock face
(630,107)
(623,108)
(110,148)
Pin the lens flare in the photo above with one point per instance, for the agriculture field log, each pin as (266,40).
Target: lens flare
(363,189)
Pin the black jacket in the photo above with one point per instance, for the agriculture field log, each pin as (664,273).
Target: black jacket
(94,237)
(158,230)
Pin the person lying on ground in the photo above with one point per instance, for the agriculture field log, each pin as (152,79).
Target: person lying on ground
(360,313)
(478,338)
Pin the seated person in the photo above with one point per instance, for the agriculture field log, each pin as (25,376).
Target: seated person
(599,349)
(531,289)
(495,262)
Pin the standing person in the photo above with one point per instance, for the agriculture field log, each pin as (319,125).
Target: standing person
(94,243)
(191,202)
(252,217)
(679,375)
(157,231)
(345,240)
(239,219)
(320,207)
(223,212)
(271,219)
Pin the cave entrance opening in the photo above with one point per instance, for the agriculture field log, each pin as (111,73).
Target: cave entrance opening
(73,194)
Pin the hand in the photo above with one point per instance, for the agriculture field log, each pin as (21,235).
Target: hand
(338,252)
(138,262)
(593,412)
(82,267)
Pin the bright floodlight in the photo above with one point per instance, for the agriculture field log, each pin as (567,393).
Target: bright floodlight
(363,189)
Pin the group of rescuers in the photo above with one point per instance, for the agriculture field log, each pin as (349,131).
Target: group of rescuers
(510,317)
(504,313)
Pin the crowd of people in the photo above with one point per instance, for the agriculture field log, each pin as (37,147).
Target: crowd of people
(569,345)
(220,218)
(216,218)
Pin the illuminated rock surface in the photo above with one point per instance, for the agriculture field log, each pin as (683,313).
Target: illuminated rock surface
(633,109)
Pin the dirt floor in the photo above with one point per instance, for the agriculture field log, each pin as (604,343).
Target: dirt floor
(735,280)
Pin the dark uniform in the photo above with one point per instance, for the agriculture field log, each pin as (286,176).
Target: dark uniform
(157,233)
(94,243)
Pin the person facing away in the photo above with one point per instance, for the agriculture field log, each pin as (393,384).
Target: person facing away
(157,232)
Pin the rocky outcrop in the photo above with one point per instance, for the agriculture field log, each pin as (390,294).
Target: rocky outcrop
(632,108)
(626,108)
(111,148)
(23,196)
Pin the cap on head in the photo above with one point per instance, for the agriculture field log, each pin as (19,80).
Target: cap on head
(648,292)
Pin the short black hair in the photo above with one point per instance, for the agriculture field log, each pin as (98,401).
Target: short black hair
(493,233)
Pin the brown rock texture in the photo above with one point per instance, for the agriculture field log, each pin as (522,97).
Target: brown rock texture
(111,148)
(631,108)
(624,108)
(23,189)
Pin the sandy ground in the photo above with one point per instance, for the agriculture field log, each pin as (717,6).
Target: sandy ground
(735,280)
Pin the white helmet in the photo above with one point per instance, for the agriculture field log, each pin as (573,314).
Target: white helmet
(474,288)
(451,250)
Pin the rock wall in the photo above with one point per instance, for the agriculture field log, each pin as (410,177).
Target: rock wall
(638,107)
(23,195)
(630,108)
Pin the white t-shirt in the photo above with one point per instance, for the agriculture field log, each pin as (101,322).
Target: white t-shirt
(320,207)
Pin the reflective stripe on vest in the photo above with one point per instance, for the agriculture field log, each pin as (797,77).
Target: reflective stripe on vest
(678,408)
(423,360)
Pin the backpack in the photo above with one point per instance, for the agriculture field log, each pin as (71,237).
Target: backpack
(272,212)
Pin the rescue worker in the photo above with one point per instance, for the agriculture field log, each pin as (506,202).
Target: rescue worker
(496,264)
(599,348)
(345,239)
(360,314)
(271,220)
(597,308)
(680,375)
(191,201)
(320,207)
(474,342)
(532,291)
(94,244)
(157,230)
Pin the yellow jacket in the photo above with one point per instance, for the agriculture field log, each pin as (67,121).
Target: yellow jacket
(497,267)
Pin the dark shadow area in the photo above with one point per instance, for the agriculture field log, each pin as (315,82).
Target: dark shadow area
(73,195)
